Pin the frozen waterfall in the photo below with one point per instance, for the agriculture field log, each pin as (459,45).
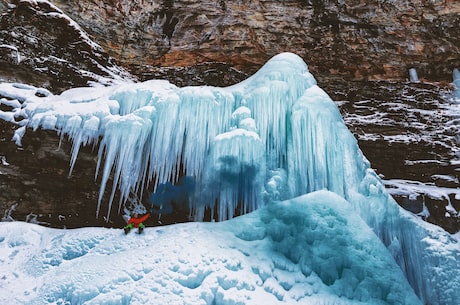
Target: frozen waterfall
(272,137)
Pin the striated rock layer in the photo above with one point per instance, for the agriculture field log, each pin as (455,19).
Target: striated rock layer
(352,39)
(355,39)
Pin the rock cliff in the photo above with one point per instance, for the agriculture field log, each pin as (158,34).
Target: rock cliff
(377,39)
(41,45)
(352,39)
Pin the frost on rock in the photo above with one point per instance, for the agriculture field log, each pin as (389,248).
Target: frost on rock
(272,137)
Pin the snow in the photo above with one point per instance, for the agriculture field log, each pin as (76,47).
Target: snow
(414,189)
(113,73)
(258,146)
(58,13)
(301,251)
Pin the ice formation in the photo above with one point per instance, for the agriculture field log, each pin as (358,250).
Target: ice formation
(456,82)
(273,137)
(413,76)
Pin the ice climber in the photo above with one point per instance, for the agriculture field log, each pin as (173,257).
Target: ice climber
(136,221)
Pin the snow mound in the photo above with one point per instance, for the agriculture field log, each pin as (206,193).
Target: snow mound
(310,250)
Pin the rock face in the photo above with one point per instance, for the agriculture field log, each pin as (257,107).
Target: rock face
(354,38)
(35,184)
(409,132)
(40,45)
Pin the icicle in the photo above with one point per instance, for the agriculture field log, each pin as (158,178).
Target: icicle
(234,174)
(456,82)
(413,75)
(123,147)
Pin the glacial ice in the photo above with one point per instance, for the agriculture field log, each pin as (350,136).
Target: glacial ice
(273,137)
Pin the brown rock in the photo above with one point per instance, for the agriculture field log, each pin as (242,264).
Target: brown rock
(354,39)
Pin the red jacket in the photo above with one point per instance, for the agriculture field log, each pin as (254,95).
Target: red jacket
(137,221)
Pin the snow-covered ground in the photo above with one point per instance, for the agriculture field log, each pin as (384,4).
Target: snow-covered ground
(310,250)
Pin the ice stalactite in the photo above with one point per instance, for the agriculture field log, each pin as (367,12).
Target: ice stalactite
(413,76)
(234,174)
(456,82)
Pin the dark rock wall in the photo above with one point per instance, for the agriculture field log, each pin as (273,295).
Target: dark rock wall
(36,186)
(40,45)
(352,39)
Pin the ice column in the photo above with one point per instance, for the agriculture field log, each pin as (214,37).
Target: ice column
(456,77)
(413,75)
(235,171)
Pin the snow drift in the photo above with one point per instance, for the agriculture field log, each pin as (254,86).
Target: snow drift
(310,250)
